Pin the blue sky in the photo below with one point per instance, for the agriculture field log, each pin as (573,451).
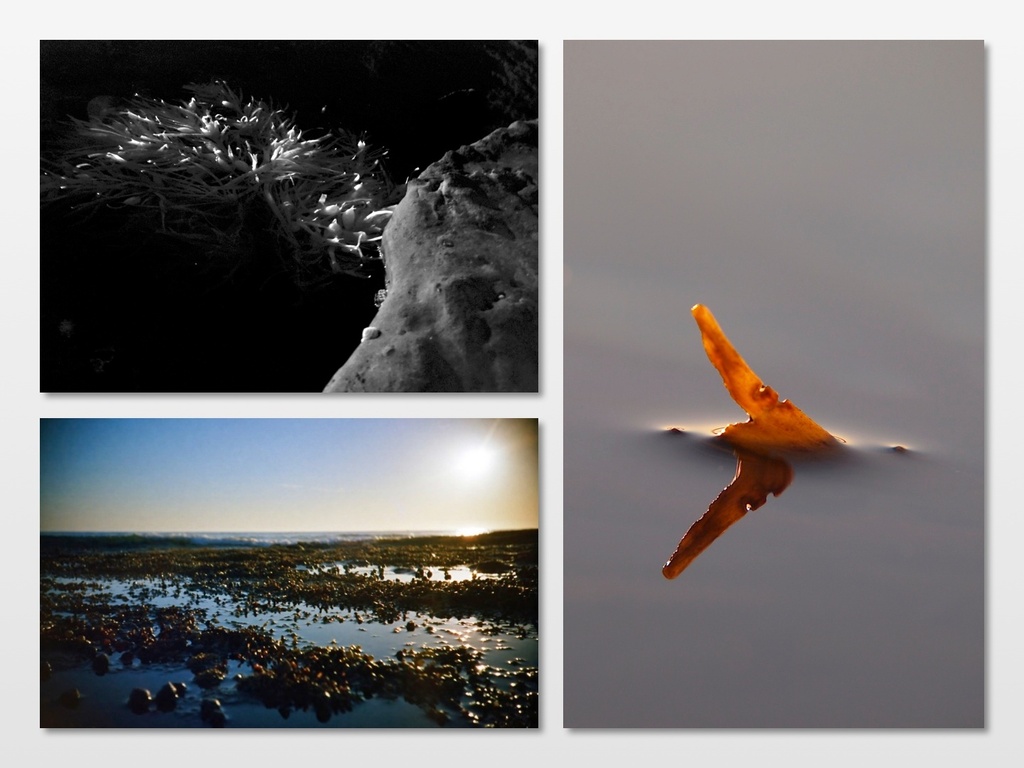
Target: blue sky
(287,474)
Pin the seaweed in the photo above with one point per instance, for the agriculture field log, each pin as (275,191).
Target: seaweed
(776,429)
(217,171)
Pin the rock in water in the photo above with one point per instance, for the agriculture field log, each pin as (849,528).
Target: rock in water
(461,252)
(139,700)
(101,664)
(167,698)
(210,712)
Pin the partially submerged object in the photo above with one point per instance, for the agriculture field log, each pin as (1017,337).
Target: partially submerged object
(775,428)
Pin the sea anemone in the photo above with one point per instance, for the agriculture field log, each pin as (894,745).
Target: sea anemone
(203,170)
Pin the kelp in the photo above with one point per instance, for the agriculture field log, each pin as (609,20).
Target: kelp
(776,428)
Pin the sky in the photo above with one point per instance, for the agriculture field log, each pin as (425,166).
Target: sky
(225,475)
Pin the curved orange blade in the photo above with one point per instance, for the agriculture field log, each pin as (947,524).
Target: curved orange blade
(774,425)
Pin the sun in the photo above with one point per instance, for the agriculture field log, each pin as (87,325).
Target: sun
(477,462)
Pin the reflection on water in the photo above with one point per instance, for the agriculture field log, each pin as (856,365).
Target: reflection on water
(786,185)
(505,655)
(756,477)
(299,629)
(405,575)
(774,428)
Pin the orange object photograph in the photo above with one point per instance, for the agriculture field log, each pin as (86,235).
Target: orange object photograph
(802,222)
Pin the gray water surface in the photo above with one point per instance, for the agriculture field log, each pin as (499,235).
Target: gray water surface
(827,202)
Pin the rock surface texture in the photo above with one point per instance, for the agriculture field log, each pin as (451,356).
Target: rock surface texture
(461,253)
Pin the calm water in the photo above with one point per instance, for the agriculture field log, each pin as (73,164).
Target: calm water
(826,202)
(505,650)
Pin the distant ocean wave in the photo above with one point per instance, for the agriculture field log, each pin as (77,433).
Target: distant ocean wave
(148,540)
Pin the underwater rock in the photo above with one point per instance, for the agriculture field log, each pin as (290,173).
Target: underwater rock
(461,252)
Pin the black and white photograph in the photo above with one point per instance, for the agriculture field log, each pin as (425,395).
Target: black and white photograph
(289,216)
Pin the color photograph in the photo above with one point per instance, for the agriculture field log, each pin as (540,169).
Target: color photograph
(804,223)
(289,573)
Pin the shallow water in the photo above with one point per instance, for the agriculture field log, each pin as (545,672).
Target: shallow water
(407,575)
(103,704)
(104,697)
(827,204)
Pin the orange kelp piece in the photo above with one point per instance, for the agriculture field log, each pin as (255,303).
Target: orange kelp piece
(775,425)
(756,477)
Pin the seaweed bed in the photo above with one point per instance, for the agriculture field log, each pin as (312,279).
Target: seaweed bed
(204,302)
(237,626)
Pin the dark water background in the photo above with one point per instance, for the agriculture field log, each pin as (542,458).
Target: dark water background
(826,201)
(123,314)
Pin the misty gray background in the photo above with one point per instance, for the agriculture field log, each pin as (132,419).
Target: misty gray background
(827,202)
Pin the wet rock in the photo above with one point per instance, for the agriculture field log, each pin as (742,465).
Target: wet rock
(218,719)
(101,664)
(491,566)
(322,707)
(211,712)
(461,251)
(210,678)
(438,715)
(208,707)
(162,650)
(209,669)
(139,700)
(70,698)
(167,697)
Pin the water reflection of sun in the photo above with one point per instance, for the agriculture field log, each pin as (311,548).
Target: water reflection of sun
(470,531)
